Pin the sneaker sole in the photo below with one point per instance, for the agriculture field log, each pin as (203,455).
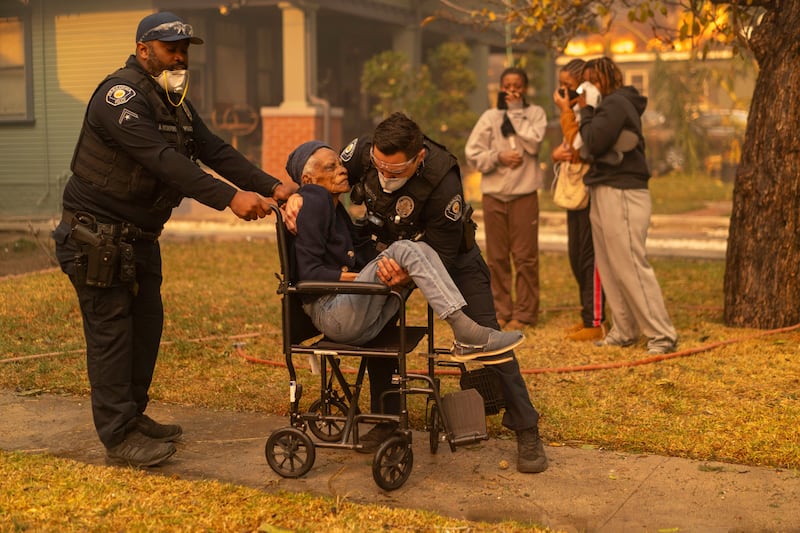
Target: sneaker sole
(120,461)
(472,356)
(470,359)
(602,344)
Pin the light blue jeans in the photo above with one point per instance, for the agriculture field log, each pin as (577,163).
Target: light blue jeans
(358,318)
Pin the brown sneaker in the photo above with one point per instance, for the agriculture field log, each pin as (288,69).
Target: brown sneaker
(587,334)
(530,452)
(138,450)
(160,432)
(574,327)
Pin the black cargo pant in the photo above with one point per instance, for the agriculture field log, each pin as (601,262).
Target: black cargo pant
(581,259)
(122,325)
(471,275)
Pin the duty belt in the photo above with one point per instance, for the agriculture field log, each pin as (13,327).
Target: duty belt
(123,230)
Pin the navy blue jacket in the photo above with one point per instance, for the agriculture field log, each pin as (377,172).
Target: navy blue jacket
(323,245)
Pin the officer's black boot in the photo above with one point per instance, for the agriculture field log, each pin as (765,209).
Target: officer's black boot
(530,452)
(159,432)
(139,450)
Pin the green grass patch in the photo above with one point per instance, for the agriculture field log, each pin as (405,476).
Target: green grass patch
(729,401)
(42,493)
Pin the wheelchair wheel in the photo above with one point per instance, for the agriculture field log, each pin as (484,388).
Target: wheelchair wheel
(290,452)
(435,427)
(392,464)
(324,428)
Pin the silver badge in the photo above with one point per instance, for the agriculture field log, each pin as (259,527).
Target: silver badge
(119,94)
(453,209)
(349,150)
(404,206)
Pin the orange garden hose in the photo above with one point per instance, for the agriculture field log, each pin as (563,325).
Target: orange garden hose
(238,347)
(565,369)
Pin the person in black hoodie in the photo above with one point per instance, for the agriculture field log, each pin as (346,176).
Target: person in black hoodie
(620,214)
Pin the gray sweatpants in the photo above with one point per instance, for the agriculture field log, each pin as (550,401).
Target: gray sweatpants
(620,220)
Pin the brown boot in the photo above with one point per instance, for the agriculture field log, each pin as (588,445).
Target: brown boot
(515,324)
(587,334)
(530,452)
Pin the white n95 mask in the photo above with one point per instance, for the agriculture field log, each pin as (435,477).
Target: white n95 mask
(174,81)
(392,184)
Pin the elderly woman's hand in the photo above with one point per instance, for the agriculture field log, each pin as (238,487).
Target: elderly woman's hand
(290,211)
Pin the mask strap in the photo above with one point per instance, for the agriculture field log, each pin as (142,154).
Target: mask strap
(166,90)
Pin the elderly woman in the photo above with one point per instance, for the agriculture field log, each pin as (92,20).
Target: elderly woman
(325,251)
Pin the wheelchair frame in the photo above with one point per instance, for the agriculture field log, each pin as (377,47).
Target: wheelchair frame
(334,417)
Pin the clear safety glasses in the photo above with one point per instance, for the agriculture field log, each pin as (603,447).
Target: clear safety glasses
(392,169)
(170,28)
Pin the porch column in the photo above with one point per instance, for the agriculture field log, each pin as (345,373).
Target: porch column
(295,120)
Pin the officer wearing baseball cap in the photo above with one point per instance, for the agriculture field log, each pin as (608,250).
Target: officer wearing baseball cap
(165,26)
(134,161)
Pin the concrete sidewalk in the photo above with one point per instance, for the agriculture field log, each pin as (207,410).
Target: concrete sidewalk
(584,490)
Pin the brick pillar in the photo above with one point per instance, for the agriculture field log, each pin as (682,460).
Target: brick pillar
(283,128)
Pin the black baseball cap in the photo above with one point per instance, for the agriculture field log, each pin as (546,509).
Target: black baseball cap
(165,26)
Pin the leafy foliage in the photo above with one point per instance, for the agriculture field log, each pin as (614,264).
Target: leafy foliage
(435,96)
(705,24)
(550,23)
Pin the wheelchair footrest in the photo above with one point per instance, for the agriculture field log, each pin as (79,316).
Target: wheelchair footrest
(465,415)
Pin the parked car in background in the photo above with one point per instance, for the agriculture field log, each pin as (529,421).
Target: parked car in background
(710,142)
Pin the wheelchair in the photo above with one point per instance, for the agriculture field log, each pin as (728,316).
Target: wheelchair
(333,418)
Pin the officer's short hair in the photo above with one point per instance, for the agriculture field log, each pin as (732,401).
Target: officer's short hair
(398,133)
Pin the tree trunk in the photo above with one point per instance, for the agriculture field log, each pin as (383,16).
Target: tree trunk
(762,285)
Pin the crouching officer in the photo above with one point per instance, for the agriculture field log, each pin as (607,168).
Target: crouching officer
(134,161)
(411,187)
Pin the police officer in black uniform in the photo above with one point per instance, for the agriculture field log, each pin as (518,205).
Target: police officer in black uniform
(133,163)
(411,187)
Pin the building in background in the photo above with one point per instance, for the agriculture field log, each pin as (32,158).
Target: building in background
(270,75)
(697,107)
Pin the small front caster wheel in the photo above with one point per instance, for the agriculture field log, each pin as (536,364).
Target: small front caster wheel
(290,452)
(393,461)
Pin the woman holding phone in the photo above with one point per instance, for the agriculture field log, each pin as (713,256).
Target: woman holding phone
(504,148)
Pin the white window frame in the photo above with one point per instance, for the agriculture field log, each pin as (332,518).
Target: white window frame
(645,76)
(20,15)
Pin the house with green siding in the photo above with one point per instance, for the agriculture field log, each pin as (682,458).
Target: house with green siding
(267,61)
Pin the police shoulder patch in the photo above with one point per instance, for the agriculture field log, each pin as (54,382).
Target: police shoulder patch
(454,208)
(349,150)
(119,94)
(127,115)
